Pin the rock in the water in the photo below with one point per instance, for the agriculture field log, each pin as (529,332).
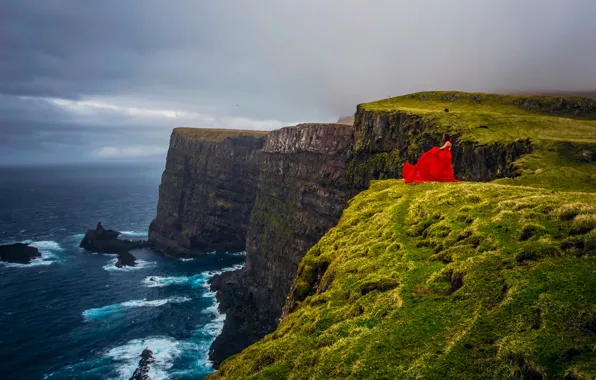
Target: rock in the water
(142,371)
(18,253)
(126,259)
(101,240)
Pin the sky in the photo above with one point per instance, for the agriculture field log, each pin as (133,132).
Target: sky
(107,81)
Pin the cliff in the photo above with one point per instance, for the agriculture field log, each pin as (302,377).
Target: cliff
(207,191)
(301,193)
(296,181)
(541,142)
(441,281)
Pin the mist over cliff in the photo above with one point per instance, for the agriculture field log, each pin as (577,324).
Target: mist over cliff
(87,77)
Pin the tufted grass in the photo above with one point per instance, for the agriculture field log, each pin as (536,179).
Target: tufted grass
(441,281)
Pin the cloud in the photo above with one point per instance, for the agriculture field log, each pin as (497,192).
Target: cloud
(92,68)
(90,106)
(130,151)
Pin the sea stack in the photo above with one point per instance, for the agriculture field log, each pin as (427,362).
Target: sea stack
(101,240)
(18,253)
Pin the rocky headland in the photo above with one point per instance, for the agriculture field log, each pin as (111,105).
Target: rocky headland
(277,194)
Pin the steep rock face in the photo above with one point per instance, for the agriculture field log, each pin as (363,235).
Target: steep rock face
(207,191)
(384,141)
(302,191)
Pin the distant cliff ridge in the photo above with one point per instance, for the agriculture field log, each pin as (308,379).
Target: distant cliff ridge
(207,191)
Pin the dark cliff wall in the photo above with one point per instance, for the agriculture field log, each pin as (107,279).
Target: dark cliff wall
(302,191)
(384,141)
(207,191)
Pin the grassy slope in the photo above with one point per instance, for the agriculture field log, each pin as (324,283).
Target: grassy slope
(458,281)
(433,281)
(561,138)
(213,134)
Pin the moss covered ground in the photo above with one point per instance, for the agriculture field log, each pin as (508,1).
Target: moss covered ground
(441,281)
(213,134)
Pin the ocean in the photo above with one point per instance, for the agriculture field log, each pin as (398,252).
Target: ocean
(72,314)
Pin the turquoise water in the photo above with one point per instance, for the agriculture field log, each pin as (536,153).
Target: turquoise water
(72,314)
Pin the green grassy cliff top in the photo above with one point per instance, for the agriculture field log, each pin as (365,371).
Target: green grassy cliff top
(490,117)
(212,134)
(441,281)
(562,130)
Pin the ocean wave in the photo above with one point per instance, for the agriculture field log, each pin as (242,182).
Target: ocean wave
(45,245)
(133,233)
(166,351)
(106,311)
(227,269)
(196,281)
(160,282)
(141,264)
(120,362)
(241,253)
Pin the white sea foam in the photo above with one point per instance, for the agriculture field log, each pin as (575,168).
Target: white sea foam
(165,351)
(46,245)
(242,253)
(196,281)
(141,264)
(160,282)
(133,233)
(103,312)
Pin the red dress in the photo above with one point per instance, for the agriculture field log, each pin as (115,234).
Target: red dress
(434,165)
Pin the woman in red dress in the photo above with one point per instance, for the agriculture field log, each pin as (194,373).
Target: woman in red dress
(434,165)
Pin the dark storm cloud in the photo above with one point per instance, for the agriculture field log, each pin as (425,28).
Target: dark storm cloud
(225,63)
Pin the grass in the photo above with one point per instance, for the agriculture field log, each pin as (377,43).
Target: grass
(212,134)
(441,281)
(487,118)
